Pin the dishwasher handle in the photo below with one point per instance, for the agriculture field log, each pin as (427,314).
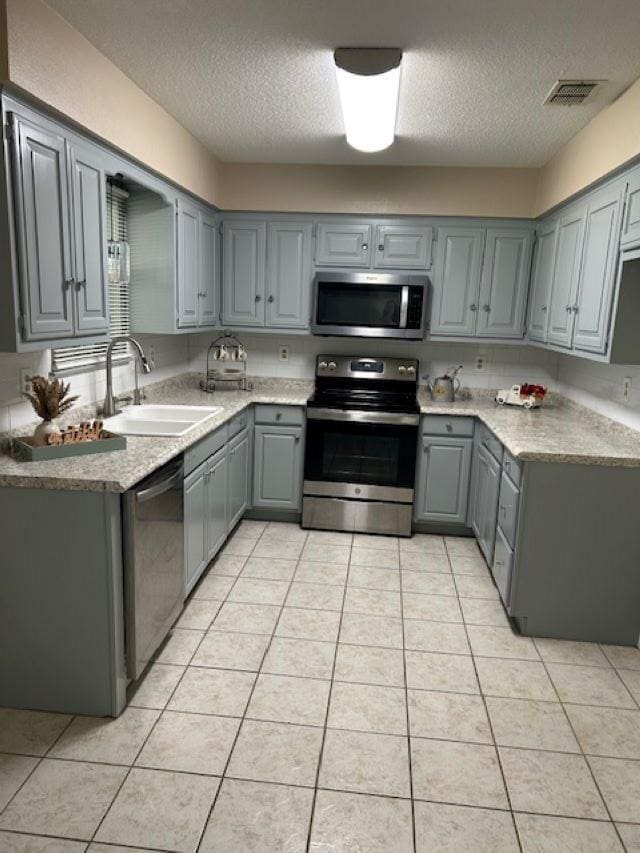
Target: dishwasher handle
(157,489)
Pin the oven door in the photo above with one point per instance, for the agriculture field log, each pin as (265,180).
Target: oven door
(366,456)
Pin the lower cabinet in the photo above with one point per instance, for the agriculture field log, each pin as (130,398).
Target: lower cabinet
(484,501)
(444,465)
(277,467)
(238,478)
(216,509)
(194,525)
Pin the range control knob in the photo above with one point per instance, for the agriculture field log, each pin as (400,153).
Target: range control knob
(332,365)
(322,365)
(411,369)
(402,368)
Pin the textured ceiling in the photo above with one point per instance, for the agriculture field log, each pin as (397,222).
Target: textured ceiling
(254,79)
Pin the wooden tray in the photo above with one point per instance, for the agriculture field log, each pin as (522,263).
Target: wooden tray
(24,449)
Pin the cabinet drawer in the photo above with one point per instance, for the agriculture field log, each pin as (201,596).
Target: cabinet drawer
(508,508)
(443,425)
(281,415)
(493,445)
(513,468)
(205,448)
(502,566)
(238,423)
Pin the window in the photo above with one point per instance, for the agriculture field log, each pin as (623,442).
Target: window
(78,358)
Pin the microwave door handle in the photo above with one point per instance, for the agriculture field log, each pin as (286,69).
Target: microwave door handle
(404,306)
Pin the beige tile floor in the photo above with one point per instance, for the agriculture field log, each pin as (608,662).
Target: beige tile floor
(330,692)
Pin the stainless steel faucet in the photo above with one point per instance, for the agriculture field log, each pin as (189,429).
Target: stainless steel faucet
(109,408)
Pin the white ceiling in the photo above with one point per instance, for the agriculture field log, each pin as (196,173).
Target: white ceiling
(254,79)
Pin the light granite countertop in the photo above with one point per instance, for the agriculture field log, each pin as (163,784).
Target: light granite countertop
(559,431)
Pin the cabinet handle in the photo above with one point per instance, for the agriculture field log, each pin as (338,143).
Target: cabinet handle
(486,308)
(499,563)
(381,247)
(569,308)
(473,307)
(449,427)
(297,438)
(278,416)
(271,299)
(258,297)
(82,283)
(576,308)
(69,282)
(544,308)
(365,246)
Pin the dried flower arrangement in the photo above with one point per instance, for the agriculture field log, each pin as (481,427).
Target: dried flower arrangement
(49,397)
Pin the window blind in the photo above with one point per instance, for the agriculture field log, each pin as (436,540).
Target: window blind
(86,356)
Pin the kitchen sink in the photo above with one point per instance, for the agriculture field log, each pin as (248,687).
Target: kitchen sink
(159,420)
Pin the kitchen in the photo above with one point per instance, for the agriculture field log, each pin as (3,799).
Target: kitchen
(320,590)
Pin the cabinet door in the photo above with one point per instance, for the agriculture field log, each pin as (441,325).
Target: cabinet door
(243,272)
(343,244)
(43,231)
(457,278)
(490,472)
(88,185)
(188,264)
(216,525)
(565,276)
(277,471)
(505,278)
(238,479)
(194,526)
(209,277)
(403,247)
(597,271)
(630,235)
(541,280)
(444,467)
(288,274)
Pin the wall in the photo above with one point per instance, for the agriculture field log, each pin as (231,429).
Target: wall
(378,189)
(504,364)
(599,386)
(611,139)
(51,60)
(170,356)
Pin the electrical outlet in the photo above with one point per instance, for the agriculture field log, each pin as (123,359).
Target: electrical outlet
(284,353)
(23,381)
(626,388)
(481,364)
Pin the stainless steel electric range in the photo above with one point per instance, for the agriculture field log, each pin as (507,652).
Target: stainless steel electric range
(360,456)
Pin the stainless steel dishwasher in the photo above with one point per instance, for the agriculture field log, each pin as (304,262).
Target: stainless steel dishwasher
(153,562)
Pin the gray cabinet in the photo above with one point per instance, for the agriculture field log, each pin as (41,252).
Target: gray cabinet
(243,272)
(288,285)
(504,283)
(403,247)
(444,465)
(592,308)
(541,280)
(188,263)
(277,467)
(88,184)
(485,501)
(630,235)
(457,278)
(43,231)
(216,523)
(565,275)
(238,478)
(502,566)
(343,244)
(194,525)
(209,266)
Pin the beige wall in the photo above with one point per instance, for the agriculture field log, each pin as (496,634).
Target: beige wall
(53,61)
(378,189)
(610,139)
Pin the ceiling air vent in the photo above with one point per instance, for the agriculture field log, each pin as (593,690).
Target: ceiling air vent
(566,93)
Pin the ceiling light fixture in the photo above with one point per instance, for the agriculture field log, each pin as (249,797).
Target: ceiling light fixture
(369,82)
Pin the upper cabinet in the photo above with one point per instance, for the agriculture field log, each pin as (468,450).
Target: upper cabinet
(504,283)
(403,247)
(266,277)
(565,275)
(343,244)
(197,265)
(481,281)
(541,280)
(59,199)
(630,234)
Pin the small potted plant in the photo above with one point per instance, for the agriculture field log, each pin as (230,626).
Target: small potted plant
(50,399)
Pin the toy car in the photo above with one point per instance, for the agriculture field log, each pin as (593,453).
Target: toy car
(526,395)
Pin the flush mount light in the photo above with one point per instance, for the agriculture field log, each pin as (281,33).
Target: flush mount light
(368,82)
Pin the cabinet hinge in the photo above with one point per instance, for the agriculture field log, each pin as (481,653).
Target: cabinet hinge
(220,228)
(21,324)
(8,131)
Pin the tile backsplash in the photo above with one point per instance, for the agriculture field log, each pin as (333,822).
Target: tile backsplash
(170,356)
(599,386)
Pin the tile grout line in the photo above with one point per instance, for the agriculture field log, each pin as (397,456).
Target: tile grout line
(490,724)
(326,717)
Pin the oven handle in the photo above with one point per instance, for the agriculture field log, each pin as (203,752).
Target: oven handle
(395,418)
(404,306)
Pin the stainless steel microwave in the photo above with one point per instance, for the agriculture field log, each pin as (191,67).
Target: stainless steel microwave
(369,305)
